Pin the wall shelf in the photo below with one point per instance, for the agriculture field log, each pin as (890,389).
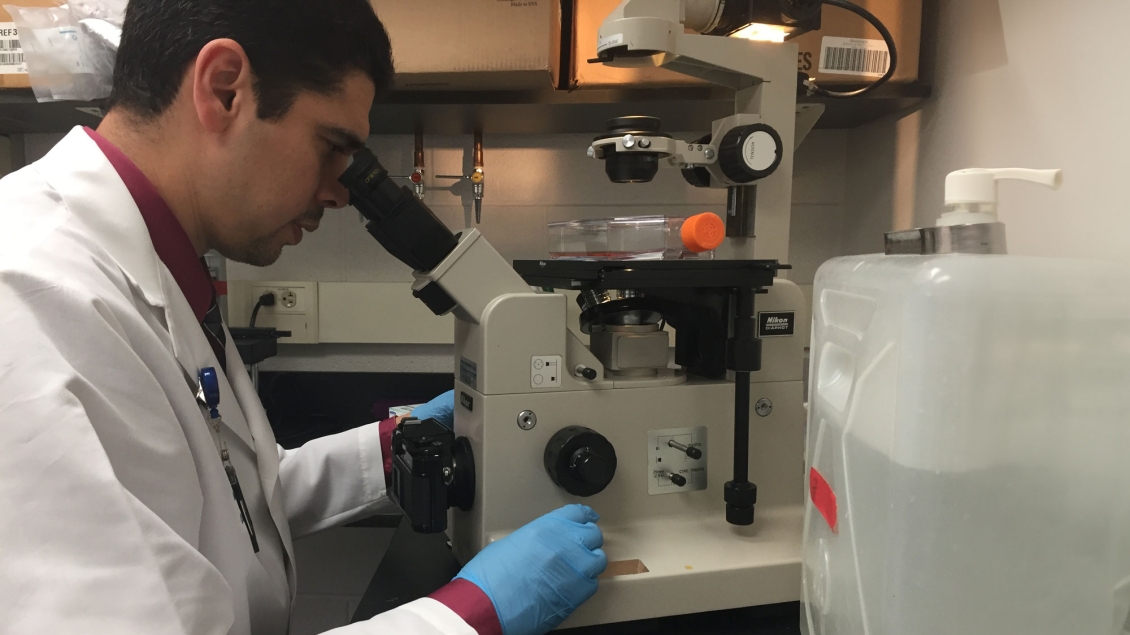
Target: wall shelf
(513,112)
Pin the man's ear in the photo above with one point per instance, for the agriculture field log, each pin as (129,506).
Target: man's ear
(222,84)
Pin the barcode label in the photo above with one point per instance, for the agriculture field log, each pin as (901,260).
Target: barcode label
(849,56)
(11,55)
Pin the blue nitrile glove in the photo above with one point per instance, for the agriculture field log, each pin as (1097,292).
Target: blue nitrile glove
(442,409)
(537,576)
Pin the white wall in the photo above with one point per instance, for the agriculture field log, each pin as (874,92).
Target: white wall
(1018,83)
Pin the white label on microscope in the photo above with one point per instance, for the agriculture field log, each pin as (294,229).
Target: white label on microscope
(603,42)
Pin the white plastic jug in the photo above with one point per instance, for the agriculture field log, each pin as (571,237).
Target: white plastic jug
(968,436)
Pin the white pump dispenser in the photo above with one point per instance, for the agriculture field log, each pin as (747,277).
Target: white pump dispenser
(971,195)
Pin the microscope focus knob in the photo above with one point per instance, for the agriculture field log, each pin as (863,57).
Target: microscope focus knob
(580,461)
(750,153)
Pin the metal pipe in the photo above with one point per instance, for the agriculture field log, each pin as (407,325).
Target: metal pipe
(419,154)
(741,428)
(478,177)
(744,358)
(743,332)
(741,211)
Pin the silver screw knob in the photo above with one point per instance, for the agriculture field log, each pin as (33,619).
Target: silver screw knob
(592,152)
(629,141)
(645,143)
(527,420)
(763,408)
(709,153)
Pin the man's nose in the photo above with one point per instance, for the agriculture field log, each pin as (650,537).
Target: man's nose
(333,195)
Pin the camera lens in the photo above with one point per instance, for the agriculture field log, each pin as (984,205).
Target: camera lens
(635,125)
(636,167)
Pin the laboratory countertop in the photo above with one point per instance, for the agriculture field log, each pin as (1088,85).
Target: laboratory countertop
(415,565)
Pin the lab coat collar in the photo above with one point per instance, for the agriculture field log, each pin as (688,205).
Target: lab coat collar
(94,193)
(168,235)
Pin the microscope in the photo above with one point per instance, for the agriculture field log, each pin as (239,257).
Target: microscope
(665,443)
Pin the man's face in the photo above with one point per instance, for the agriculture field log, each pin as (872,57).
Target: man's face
(274,179)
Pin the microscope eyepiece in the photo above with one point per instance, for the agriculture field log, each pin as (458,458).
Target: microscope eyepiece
(397,219)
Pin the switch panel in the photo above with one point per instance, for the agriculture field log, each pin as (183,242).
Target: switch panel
(295,309)
(676,460)
(545,371)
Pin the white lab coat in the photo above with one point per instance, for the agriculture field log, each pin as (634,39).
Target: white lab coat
(115,512)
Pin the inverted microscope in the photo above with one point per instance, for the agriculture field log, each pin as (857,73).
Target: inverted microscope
(558,405)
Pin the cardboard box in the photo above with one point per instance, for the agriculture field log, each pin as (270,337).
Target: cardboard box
(902,17)
(13,72)
(474,44)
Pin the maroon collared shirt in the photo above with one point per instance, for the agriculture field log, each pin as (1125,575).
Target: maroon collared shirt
(169,238)
(175,249)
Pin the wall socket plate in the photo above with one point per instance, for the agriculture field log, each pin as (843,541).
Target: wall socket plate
(295,310)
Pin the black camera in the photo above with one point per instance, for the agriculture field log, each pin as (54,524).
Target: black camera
(432,471)
(637,165)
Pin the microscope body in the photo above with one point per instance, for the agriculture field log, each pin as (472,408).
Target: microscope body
(569,394)
(544,436)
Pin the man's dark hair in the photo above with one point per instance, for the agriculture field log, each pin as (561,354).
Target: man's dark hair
(293,46)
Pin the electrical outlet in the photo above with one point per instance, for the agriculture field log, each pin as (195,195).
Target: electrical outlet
(295,309)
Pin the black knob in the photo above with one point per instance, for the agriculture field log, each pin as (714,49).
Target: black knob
(677,479)
(694,453)
(586,372)
(749,153)
(590,467)
(698,177)
(580,461)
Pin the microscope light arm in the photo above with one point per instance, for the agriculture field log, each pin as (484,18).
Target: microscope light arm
(679,154)
(639,27)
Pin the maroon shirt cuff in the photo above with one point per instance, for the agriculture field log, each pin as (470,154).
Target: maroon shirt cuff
(385,429)
(471,604)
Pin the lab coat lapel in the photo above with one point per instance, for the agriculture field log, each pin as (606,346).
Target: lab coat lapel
(91,189)
(193,351)
(266,453)
(241,412)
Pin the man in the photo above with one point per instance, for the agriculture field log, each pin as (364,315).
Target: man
(141,487)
